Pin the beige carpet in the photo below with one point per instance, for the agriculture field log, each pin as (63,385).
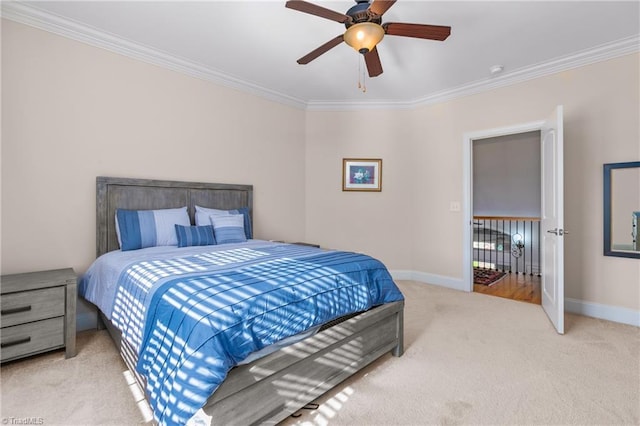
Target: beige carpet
(470,359)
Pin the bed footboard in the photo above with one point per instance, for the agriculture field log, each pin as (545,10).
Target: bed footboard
(271,388)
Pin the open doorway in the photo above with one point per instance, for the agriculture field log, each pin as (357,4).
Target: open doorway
(506,250)
(552,230)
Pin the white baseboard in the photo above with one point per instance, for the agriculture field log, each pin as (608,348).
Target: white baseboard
(423,277)
(574,306)
(606,312)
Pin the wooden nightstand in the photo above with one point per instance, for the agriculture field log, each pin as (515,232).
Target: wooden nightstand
(38,313)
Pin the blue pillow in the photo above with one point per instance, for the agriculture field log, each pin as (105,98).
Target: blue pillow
(247,221)
(138,229)
(203,213)
(228,228)
(195,235)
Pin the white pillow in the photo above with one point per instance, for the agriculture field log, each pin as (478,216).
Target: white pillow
(203,213)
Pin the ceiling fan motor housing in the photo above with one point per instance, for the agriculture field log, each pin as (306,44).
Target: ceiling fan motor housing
(360,13)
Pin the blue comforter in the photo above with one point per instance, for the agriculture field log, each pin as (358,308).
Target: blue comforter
(193,315)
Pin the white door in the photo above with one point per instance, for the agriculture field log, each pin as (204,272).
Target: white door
(553,219)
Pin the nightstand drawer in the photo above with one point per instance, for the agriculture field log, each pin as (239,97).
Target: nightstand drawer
(31,338)
(34,305)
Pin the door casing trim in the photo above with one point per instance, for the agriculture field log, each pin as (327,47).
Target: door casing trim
(467,185)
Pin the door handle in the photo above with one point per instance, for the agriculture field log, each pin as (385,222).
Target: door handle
(557,231)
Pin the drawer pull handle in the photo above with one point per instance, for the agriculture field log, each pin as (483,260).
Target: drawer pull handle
(15,342)
(15,310)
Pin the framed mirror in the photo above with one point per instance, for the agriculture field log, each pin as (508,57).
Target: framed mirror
(622,209)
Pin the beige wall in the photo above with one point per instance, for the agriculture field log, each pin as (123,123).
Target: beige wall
(378,223)
(72,112)
(413,228)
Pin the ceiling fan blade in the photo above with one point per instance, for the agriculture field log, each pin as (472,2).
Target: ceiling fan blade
(320,50)
(372,59)
(312,9)
(431,32)
(378,7)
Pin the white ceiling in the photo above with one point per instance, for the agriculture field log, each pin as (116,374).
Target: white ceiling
(254,45)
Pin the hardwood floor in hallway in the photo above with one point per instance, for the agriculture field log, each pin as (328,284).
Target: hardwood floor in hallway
(525,288)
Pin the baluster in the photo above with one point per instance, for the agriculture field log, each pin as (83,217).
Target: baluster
(517,258)
(503,245)
(495,243)
(510,246)
(524,247)
(539,252)
(531,234)
(477,230)
(484,239)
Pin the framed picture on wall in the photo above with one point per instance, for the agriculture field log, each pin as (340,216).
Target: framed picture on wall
(361,174)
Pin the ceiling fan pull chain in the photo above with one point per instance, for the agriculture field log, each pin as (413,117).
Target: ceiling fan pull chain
(364,75)
(361,75)
(359,84)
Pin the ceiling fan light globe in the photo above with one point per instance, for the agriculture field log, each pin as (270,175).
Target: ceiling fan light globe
(364,36)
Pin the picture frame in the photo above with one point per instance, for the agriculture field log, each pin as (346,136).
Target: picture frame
(362,174)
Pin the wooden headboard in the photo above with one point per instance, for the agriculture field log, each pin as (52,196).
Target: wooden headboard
(147,194)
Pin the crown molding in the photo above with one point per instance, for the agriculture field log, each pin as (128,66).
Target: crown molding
(593,55)
(24,13)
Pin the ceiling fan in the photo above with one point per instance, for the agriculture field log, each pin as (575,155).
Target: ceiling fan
(365,29)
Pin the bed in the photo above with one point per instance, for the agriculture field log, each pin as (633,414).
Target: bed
(263,389)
